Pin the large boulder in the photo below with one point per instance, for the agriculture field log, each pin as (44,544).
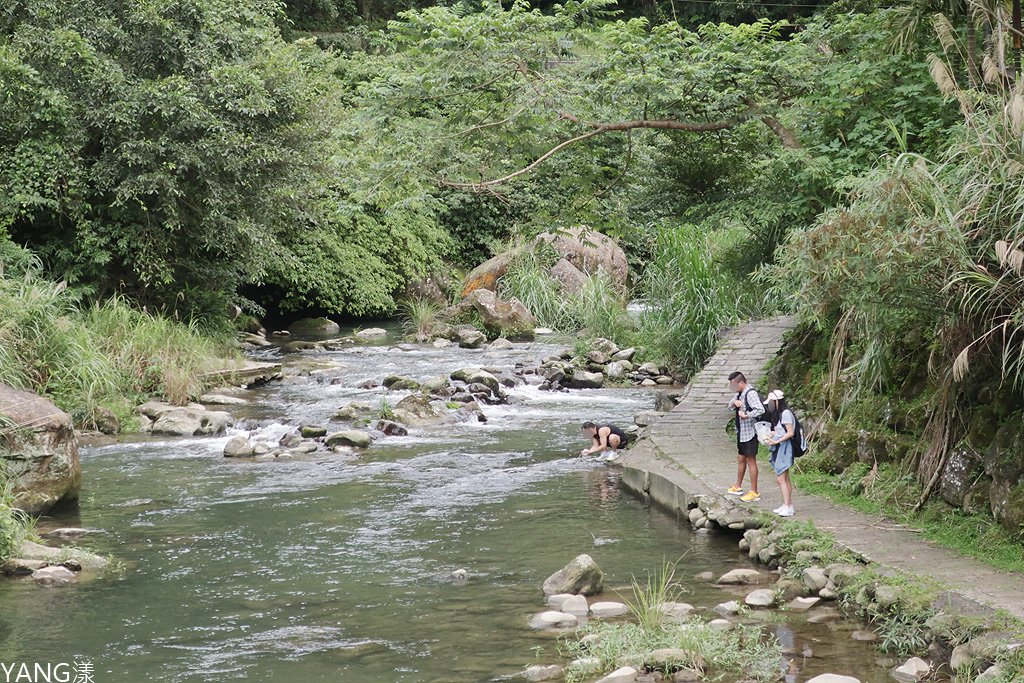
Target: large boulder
(487,274)
(39,450)
(509,319)
(962,469)
(580,252)
(582,576)
(191,421)
(570,278)
(589,251)
(314,326)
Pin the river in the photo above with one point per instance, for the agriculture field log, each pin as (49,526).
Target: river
(334,567)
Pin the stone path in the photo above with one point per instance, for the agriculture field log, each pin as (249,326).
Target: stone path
(690,455)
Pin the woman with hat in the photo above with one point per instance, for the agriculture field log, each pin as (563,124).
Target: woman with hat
(781,446)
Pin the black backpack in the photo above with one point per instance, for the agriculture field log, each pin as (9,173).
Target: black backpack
(799,440)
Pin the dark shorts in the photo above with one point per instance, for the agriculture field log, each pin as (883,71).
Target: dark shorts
(747,447)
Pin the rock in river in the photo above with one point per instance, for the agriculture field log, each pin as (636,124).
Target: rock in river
(42,458)
(582,576)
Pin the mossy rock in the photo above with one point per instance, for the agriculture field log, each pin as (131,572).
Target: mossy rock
(982,426)
(840,451)
(1012,517)
(1003,461)
(976,501)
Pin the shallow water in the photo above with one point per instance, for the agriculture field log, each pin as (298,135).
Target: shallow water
(334,567)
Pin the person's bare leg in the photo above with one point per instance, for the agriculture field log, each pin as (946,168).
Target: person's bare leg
(752,466)
(741,470)
(787,488)
(614,441)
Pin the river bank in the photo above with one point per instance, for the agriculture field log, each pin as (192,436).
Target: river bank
(691,484)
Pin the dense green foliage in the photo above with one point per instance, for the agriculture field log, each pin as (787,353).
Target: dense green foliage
(178,151)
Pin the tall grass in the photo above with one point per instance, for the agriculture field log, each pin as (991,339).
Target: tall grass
(102,357)
(687,299)
(599,307)
(650,596)
(419,315)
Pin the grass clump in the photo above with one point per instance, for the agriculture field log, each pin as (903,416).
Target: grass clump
(650,597)
(15,525)
(419,316)
(90,359)
(385,411)
(599,307)
(744,651)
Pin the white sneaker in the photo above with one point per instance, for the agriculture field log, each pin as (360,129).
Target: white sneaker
(781,510)
(611,456)
(785,511)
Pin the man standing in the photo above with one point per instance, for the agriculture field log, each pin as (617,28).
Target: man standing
(748,407)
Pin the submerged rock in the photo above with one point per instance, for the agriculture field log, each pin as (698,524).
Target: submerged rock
(371,333)
(552,619)
(53,576)
(539,672)
(83,558)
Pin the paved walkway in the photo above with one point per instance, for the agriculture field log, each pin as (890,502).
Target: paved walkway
(690,451)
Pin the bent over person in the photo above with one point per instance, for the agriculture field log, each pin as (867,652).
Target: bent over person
(748,407)
(606,439)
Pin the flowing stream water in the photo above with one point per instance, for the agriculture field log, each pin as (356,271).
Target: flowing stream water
(335,567)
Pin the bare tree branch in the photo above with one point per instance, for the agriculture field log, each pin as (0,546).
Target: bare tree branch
(597,129)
